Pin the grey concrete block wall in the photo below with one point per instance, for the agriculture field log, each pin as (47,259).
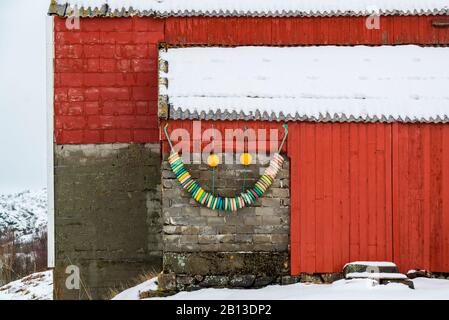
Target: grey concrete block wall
(193,235)
(107,215)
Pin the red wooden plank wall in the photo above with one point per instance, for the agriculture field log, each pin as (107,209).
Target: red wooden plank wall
(421,196)
(304,31)
(341,206)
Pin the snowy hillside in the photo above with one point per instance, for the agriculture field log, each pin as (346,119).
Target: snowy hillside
(38,286)
(24,212)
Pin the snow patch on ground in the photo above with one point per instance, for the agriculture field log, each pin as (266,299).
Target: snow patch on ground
(133,293)
(38,286)
(355,289)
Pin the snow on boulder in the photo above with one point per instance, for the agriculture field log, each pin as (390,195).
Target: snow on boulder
(370,267)
(375,275)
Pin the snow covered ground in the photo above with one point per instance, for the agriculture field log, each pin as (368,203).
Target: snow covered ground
(133,293)
(38,286)
(24,212)
(357,289)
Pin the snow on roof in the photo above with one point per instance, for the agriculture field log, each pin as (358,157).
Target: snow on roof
(249,7)
(327,83)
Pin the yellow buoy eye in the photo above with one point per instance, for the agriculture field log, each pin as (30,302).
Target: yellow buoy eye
(246,159)
(213,160)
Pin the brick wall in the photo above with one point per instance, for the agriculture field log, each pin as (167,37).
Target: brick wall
(252,242)
(106,80)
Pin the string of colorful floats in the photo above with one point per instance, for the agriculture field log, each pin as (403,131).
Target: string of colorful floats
(209,199)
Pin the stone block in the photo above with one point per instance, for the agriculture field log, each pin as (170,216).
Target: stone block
(167,281)
(271,220)
(331,277)
(286,280)
(207,239)
(311,278)
(214,281)
(242,281)
(262,238)
(263,281)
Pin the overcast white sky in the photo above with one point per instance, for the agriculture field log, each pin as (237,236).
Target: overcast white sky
(22,94)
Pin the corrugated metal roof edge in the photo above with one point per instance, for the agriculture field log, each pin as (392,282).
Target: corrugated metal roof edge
(65,10)
(179,114)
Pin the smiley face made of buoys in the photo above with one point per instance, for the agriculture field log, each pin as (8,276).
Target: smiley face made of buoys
(213,160)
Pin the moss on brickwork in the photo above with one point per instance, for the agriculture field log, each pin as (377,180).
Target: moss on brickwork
(227,263)
(107,215)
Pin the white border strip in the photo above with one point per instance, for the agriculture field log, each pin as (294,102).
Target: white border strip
(50,160)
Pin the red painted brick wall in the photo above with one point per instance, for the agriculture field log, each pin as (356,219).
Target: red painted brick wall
(106,80)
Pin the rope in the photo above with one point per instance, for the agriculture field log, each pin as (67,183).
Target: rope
(213,150)
(285,126)
(244,151)
(168,137)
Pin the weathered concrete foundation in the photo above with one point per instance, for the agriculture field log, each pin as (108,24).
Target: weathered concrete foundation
(107,216)
(206,248)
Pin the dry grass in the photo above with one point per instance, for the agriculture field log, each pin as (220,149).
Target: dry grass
(145,276)
(18,260)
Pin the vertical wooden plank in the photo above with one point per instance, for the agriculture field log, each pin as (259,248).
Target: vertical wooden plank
(404,194)
(355,192)
(275,31)
(389,190)
(417,250)
(396,191)
(363,192)
(295,191)
(371,192)
(329,247)
(337,184)
(311,218)
(445,199)
(381,185)
(319,196)
(413,227)
(434,198)
(426,197)
(305,183)
(346,194)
